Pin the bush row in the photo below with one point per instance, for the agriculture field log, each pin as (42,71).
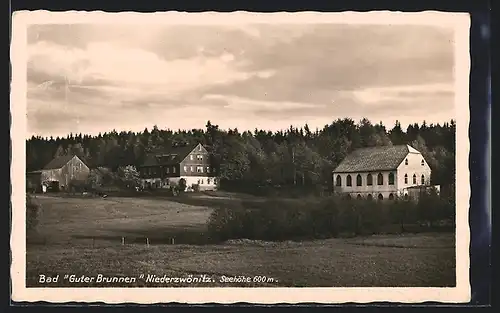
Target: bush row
(292,219)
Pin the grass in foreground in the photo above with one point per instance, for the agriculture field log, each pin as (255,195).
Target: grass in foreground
(321,263)
(83,237)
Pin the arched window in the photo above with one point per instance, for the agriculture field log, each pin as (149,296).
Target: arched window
(349,180)
(338,181)
(391,178)
(422,162)
(358,180)
(380,179)
(359,196)
(369,197)
(369,180)
(406,178)
(406,162)
(422,179)
(380,196)
(391,196)
(414,179)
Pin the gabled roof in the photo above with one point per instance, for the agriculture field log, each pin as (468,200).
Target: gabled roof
(169,156)
(58,162)
(383,158)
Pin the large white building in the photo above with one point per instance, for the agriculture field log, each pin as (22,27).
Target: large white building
(382,172)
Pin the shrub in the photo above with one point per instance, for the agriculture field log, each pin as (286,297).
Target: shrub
(78,186)
(195,187)
(282,219)
(33,211)
(182,185)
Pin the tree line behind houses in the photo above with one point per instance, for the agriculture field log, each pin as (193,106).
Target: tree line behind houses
(298,160)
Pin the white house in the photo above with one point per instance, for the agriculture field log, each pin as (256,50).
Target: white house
(382,172)
(189,162)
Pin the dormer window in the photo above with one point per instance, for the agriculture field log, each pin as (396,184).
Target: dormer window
(406,162)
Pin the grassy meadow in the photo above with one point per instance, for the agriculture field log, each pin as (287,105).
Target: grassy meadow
(83,236)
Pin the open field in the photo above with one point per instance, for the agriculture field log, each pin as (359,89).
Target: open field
(83,237)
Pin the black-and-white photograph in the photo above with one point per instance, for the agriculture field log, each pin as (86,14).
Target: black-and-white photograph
(241,152)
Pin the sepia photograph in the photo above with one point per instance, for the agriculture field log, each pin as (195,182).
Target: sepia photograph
(238,156)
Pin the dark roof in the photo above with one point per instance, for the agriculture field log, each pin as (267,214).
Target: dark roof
(374,159)
(101,170)
(58,162)
(169,156)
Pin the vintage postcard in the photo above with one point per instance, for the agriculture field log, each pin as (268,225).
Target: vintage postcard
(240,157)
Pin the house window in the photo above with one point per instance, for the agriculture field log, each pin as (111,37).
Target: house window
(391,178)
(173,169)
(202,181)
(380,179)
(191,157)
(391,196)
(199,157)
(208,169)
(369,180)
(406,162)
(358,180)
(349,181)
(380,196)
(422,163)
(185,168)
(191,169)
(422,180)
(199,148)
(215,181)
(208,181)
(414,179)
(406,178)
(167,170)
(338,181)
(199,169)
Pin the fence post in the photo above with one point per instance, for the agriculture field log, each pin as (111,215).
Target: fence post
(147,242)
(173,241)
(93,242)
(123,241)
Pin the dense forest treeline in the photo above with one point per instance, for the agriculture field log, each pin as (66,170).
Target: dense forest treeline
(296,156)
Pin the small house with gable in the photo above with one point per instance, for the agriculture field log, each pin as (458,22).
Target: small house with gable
(58,174)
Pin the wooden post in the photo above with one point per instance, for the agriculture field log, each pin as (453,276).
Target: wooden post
(93,242)
(123,241)
(147,242)
(173,241)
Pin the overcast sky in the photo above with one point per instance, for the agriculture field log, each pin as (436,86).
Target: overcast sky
(95,78)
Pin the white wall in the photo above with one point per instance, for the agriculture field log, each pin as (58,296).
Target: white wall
(206,183)
(385,189)
(414,167)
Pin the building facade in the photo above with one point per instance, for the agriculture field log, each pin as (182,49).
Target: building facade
(191,163)
(58,174)
(382,173)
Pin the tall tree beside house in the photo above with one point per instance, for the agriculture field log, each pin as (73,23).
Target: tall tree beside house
(129,177)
